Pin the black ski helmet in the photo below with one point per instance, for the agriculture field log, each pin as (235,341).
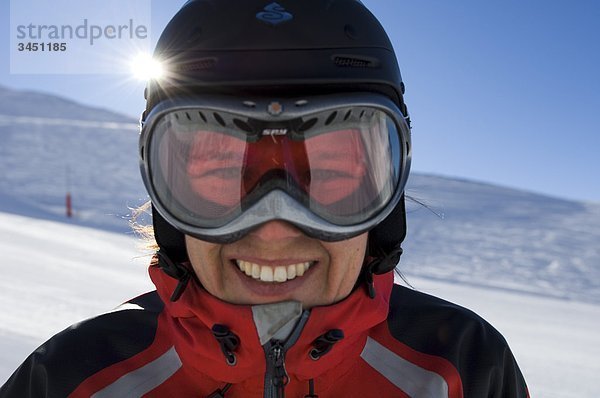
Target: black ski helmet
(288,46)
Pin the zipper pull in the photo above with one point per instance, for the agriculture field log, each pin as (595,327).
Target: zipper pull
(276,376)
(281,376)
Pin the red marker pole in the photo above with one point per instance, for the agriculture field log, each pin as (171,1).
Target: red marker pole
(69,205)
(68,202)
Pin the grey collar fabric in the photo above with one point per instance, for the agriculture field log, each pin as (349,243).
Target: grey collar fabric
(276,320)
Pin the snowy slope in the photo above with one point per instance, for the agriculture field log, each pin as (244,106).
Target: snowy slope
(527,262)
(50,145)
(504,238)
(56,274)
(38,104)
(490,235)
(484,234)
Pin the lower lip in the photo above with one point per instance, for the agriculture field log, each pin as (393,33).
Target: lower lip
(272,289)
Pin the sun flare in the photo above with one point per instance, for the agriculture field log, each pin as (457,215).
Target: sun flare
(144,67)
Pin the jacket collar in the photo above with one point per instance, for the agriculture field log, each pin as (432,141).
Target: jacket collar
(191,318)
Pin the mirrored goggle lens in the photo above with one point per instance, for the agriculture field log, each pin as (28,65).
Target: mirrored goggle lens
(207,174)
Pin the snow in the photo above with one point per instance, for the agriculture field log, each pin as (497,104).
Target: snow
(58,274)
(528,263)
(60,147)
(556,341)
(504,238)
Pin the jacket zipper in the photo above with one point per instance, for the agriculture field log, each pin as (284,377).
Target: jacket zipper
(276,376)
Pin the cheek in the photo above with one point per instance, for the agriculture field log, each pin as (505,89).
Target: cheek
(206,263)
(354,261)
(347,261)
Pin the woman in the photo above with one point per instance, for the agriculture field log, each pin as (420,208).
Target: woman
(275,152)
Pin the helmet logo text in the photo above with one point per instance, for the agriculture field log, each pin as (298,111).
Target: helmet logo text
(274,14)
(273,132)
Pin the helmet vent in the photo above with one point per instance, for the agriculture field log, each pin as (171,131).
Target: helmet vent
(351,61)
(330,118)
(198,64)
(219,119)
(307,124)
(243,125)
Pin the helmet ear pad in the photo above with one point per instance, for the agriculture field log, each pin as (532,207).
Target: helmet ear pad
(386,238)
(170,241)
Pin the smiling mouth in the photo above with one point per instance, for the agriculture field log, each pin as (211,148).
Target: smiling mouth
(277,274)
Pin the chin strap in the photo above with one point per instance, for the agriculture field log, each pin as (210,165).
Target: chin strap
(175,270)
(381,264)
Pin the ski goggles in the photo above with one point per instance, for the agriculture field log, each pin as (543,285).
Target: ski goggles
(334,166)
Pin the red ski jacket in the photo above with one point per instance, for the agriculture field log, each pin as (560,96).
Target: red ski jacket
(401,343)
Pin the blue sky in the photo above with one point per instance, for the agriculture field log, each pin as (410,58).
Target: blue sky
(506,92)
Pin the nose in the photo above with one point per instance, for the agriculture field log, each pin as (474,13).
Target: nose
(276,230)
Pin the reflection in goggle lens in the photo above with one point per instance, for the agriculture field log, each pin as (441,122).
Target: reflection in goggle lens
(224,169)
(343,173)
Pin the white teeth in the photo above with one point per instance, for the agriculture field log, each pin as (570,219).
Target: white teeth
(291,271)
(280,274)
(255,271)
(267,273)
